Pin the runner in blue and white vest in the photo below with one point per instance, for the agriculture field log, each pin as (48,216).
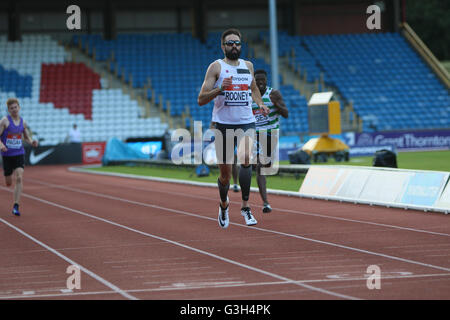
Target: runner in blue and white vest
(265,124)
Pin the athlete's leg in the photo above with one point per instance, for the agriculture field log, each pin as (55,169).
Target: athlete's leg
(225,161)
(245,150)
(260,151)
(224,183)
(235,170)
(7,170)
(235,173)
(18,186)
(8,180)
(261,180)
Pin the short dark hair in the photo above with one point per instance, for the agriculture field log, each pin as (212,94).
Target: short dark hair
(11,101)
(231,31)
(261,71)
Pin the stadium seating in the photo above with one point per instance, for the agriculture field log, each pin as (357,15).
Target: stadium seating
(387,82)
(55,93)
(69,85)
(176,65)
(12,81)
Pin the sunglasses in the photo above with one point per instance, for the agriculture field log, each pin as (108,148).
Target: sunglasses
(230,43)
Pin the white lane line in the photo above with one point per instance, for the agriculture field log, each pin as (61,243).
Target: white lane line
(256,205)
(96,194)
(273,275)
(148,260)
(70,261)
(309,214)
(305,213)
(66,290)
(237,284)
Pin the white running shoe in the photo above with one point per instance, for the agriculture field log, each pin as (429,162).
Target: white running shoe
(224,219)
(249,218)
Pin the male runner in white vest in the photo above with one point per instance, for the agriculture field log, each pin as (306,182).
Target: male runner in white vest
(230,82)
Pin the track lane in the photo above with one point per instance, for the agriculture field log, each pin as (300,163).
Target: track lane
(274,243)
(320,227)
(29,268)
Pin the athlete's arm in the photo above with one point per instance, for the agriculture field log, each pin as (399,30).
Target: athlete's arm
(208,92)
(3,126)
(277,100)
(256,94)
(28,136)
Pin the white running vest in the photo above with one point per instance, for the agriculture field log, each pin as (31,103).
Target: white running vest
(234,104)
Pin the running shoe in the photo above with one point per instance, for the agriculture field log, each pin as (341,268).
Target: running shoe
(249,218)
(15,211)
(267,208)
(235,188)
(224,219)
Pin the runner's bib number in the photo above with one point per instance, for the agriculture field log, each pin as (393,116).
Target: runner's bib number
(261,119)
(236,95)
(14,141)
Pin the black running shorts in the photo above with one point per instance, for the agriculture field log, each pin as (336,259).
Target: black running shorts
(221,150)
(11,163)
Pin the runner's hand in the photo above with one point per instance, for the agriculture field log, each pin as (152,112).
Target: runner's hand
(35,143)
(226,83)
(264,109)
(3,148)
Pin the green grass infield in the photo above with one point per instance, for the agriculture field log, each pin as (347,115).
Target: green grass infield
(431,160)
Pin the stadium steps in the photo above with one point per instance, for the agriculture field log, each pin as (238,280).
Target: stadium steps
(350,121)
(421,48)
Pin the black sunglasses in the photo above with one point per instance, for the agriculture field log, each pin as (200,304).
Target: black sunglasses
(231,42)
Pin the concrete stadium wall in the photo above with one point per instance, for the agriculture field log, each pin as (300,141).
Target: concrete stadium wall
(249,21)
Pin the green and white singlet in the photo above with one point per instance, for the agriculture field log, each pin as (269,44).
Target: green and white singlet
(272,120)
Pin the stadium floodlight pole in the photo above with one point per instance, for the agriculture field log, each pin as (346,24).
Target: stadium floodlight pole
(274,43)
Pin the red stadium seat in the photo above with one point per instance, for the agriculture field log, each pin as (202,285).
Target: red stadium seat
(69,85)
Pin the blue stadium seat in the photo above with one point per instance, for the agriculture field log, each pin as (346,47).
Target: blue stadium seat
(176,64)
(375,72)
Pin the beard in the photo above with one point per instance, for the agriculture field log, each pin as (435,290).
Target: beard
(233,54)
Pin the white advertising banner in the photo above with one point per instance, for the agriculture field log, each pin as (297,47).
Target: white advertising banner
(385,186)
(422,190)
(444,200)
(321,181)
(354,183)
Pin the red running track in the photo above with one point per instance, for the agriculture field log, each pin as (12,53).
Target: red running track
(139,239)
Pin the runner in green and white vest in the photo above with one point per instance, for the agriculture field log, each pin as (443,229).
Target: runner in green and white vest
(270,121)
(264,125)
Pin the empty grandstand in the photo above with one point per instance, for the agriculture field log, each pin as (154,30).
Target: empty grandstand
(55,93)
(380,75)
(381,80)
